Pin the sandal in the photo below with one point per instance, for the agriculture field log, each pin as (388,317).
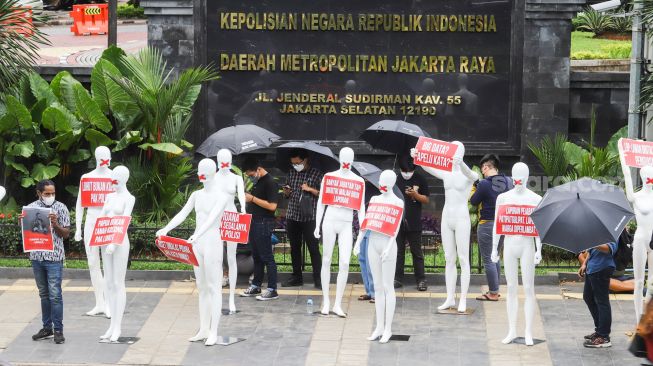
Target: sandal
(485,297)
(364,297)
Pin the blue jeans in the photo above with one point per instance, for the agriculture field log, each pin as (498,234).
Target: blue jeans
(48,280)
(365,269)
(597,297)
(261,244)
(492,270)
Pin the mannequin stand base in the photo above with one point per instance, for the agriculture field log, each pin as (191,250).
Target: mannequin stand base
(121,340)
(454,311)
(226,312)
(223,340)
(400,337)
(521,340)
(101,315)
(331,315)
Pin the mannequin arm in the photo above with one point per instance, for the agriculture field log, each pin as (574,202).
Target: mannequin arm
(495,238)
(179,217)
(628,179)
(361,210)
(538,250)
(319,212)
(79,215)
(470,174)
(240,191)
(216,212)
(359,239)
(388,245)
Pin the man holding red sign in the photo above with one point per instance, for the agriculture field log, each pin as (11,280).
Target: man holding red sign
(48,265)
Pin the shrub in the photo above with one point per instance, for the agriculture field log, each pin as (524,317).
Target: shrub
(587,55)
(127,11)
(617,51)
(593,21)
(622,24)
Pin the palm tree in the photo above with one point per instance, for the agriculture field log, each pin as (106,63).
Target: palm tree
(647,82)
(20,40)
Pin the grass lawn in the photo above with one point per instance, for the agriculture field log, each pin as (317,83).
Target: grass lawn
(584,46)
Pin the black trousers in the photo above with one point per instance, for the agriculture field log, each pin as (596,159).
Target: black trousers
(597,297)
(299,233)
(414,239)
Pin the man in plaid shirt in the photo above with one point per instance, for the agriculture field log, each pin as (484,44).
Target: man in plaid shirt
(302,189)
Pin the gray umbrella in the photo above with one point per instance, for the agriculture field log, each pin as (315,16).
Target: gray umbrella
(582,214)
(320,157)
(237,139)
(394,136)
(371,174)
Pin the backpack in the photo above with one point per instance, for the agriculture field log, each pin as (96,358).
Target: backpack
(623,257)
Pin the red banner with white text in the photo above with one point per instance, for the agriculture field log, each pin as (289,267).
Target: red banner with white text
(234,227)
(342,192)
(515,220)
(110,230)
(637,153)
(382,218)
(177,249)
(94,191)
(435,153)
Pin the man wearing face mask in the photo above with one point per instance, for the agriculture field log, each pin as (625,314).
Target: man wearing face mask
(48,266)
(302,190)
(416,194)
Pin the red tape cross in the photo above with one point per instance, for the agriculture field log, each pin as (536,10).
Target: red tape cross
(383,189)
(201,177)
(517,182)
(114,182)
(649,180)
(346,165)
(104,162)
(224,165)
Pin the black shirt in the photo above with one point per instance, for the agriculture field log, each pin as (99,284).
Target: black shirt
(412,208)
(266,189)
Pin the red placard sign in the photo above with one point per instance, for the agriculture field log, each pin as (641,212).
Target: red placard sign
(382,218)
(515,220)
(342,192)
(637,153)
(435,153)
(110,230)
(177,249)
(37,231)
(234,227)
(94,191)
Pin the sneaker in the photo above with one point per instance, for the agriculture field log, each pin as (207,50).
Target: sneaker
(398,284)
(293,282)
(590,336)
(59,338)
(318,285)
(251,291)
(421,286)
(225,281)
(598,342)
(42,334)
(268,295)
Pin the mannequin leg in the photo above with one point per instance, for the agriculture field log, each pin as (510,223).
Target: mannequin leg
(95,270)
(213,275)
(109,273)
(649,279)
(119,294)
(344,255)
(511,270)
(463,229)
(233,274)
(328,242)
(388,276)
(374,260)
(639,264)
(528,281)
(204,303)
(450,271)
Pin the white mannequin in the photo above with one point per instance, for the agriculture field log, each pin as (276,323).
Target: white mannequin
(102,159)
(642,202)
(209,204)
(234,186)
(518,249)
(382,256)
(3,191)
(115,257)
(337,223)
(456,225)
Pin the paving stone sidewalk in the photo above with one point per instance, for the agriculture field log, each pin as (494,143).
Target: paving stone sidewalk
(164,314)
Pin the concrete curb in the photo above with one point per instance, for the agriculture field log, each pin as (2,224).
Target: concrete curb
(56,22)
(354,277)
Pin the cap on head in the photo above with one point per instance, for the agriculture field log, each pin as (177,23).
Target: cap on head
(646,173)
(460,151)
(206,169)
(346,157)
(224,159)
(520,173)
(387,181)
(120,175)
(102,156)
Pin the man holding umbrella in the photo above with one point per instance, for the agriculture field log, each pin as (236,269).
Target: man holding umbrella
(301,190)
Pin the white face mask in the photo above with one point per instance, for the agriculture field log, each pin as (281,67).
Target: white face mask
(298,167)
(407,176)
(48,201)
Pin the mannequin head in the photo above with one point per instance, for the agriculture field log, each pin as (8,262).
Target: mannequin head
(224,160)
(102,157)
(346,157)
(206,170)
(120,176)
(646,173)
(460,151)
(387,181)
(520,173)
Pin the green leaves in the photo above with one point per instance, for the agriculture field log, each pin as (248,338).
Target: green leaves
(55,120)
(17,115)
(40,171)
(89,111)
(166,147)
(41,89)
(24,149)
(129,138)
(97,138)
(109,95)
(67,86)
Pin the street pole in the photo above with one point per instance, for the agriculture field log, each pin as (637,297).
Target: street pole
(113,23)
(636,66)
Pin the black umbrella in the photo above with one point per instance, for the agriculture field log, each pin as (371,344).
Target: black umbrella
(237,139)
(394,136)
(320,157)
(371,174)
(582,214)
